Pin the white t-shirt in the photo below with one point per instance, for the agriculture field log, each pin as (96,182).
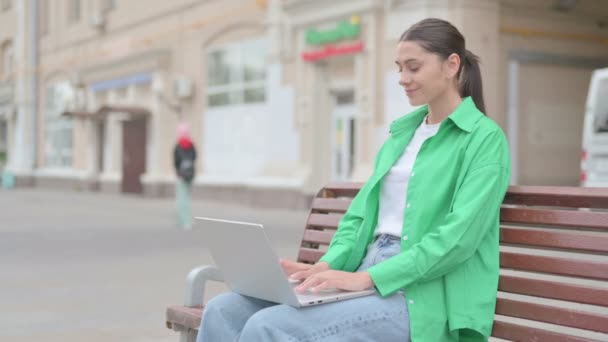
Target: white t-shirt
(393,191)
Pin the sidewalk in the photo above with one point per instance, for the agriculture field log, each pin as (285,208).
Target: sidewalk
(100,267)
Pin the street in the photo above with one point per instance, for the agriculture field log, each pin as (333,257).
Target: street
(81,266)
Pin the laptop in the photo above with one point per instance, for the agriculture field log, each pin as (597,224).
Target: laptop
(250,266)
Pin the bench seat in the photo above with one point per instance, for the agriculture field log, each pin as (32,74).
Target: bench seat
(553,253)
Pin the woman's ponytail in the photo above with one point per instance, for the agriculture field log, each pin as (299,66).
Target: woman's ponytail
(470,80)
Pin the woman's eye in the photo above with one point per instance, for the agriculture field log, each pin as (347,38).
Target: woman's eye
(414,69)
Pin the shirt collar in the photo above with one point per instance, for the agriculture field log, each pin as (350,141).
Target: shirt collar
(464,117)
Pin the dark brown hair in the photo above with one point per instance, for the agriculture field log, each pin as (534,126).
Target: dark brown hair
(442,38)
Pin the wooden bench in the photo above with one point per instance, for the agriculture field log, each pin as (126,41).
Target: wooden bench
(554,263)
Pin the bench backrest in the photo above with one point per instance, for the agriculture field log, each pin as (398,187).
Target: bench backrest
(553,255)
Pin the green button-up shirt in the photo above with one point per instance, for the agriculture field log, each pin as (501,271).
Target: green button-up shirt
(449,260)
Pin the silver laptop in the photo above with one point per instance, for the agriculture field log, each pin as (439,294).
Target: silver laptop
(251,267)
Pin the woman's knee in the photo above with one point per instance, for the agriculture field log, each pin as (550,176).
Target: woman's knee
(221,305)
(224,299)
(269,324)
(224,317)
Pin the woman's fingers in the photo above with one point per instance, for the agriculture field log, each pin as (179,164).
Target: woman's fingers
(290,267)
(309,270)
(310,282)
(336,280)
(326,284)
(298,275)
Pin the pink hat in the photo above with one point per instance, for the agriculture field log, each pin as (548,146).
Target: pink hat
(183,131)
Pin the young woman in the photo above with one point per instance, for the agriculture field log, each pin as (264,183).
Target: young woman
(424,230)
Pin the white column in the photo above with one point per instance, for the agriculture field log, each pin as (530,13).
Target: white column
(303,110)
(273,23)
(113,163)
(320,128)
(366,79)
(92,162)
(512,118)
(22,159)
(155,128)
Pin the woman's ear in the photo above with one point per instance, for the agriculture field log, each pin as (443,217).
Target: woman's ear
(452,66)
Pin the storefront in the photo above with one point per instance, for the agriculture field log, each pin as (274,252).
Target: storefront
(282,97)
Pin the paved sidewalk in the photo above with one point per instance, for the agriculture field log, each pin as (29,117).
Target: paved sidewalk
(100,267)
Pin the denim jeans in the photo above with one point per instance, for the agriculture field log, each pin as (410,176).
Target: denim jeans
(233,317)
(182,204)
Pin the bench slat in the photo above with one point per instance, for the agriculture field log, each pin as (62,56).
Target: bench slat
(554,265)
(580,240)
(317,236)
(552,314)
(310,255)
(574,197)
(517,332)
(564,218)
(343,189)
(553,289)
(323,221)
(331,204)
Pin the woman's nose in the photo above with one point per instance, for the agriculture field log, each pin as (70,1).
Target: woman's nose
(404,79)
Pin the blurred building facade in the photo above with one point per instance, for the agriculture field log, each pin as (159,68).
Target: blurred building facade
(8,36)
(281,96)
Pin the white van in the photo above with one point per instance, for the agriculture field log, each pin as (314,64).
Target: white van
(594,160)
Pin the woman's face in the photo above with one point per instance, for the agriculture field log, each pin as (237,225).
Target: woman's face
(424,75)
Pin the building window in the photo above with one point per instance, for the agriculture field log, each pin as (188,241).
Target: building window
(58,129)
(74,10)
(8,60)
(6,4)
(236,74)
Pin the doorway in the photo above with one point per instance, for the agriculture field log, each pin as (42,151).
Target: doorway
(133,155)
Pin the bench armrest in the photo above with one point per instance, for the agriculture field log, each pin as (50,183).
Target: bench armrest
(196,281)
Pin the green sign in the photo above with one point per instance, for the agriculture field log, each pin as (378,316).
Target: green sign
(346,29)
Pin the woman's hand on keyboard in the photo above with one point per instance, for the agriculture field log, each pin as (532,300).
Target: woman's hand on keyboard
(340,280)
(305,273)
(291,267)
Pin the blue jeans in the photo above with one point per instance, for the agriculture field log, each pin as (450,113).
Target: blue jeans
(233,317)
(182,204)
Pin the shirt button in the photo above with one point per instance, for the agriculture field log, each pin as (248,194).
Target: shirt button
(408,205)
(405,237)
(411,301)
(413,173)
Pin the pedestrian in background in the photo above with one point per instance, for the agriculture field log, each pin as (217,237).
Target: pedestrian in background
(184,160)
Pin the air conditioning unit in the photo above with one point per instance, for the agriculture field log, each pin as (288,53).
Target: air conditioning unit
(182,88)
(98,20)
